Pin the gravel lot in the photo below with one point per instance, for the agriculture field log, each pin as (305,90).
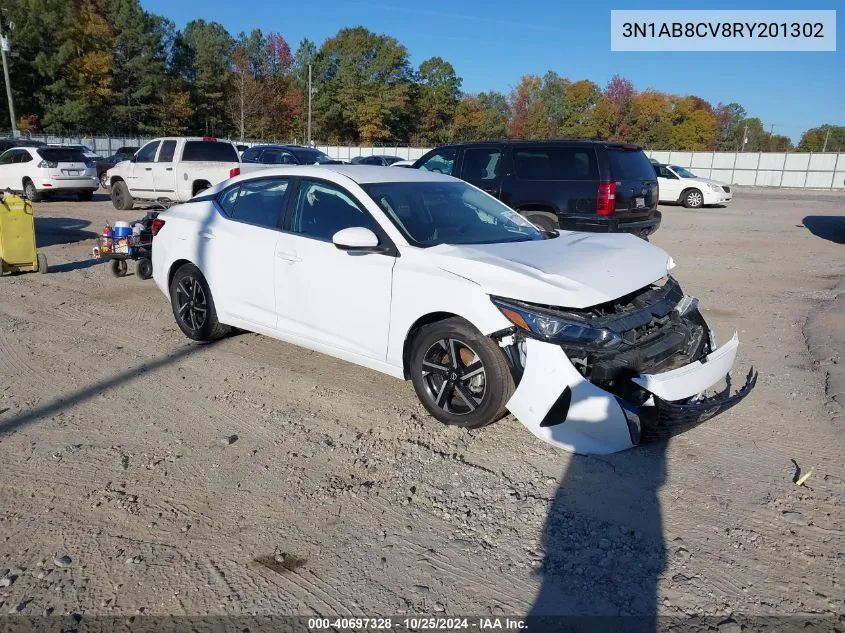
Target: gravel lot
(252,477)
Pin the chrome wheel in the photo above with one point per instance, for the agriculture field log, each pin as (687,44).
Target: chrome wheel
(104,180)
(191,303)
(694,199)
(454,376)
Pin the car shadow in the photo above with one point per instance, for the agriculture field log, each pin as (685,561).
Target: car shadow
(828,227)
(603,545)
(71,266)
(52,231)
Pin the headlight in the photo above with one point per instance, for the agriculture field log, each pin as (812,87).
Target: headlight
(555,329)
(716,188)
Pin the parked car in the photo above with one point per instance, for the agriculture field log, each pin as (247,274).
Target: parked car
(10,142)
(287,155)
(104,164)
(578,185)
(375,159)
(168,170)
(86,151)
(586,339)
(42,171)
(678,184)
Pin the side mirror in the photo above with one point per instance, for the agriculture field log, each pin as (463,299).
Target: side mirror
(357,239)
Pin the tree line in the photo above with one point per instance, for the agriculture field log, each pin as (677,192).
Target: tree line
(110,67)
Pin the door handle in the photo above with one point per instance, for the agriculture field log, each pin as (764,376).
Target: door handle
(168,169)
(207,236)
(148,168)
(288,258)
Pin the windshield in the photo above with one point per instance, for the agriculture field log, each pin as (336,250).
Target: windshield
(311,156)
(432,213)
(683,173)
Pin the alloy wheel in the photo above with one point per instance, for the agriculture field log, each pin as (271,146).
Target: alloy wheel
(694,199)
(454,376)
(191,302)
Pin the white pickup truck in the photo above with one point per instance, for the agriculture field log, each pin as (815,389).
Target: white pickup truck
(168,170)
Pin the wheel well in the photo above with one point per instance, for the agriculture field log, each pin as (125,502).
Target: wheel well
(114,180)
(199,185)
(25,180)
(173,268)
(538,209)
(687,190)
(427,319)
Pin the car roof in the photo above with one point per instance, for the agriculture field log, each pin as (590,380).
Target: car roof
(361,174)
(554,141)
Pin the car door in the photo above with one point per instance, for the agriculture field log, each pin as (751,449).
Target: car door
(669,183)
(336,298)
(482,167)
(238,243)
(140,178)
(164,177)
(7,170)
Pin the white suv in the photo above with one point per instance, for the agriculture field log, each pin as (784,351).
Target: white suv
(678,184)
(39,171)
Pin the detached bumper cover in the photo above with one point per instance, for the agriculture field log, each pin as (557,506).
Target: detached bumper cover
(558,405)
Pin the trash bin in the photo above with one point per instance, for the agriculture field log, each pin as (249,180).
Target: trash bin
(17,237)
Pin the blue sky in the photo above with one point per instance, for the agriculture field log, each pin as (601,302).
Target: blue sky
(491,43)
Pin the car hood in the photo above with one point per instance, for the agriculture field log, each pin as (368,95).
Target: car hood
(574,270)
(707,181)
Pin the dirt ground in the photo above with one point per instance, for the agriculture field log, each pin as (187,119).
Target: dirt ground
(174,476)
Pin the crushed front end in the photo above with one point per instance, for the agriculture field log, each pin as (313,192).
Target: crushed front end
(608,377)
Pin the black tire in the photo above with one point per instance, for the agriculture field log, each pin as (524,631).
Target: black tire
(104,181)
(121,199)
(451,364)
(144,268)
(118,267)
(193,305)
(692,199)
(42,263)
(85,196)
(30,192)
(545,223)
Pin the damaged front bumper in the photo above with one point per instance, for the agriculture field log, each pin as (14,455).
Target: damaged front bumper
(560,406)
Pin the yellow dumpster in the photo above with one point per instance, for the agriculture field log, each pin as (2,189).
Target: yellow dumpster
(17,237)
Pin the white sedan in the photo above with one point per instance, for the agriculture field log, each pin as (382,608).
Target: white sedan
(584,337)
(678,184)
(41,171)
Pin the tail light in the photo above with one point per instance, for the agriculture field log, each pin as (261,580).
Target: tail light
(47,163)
(209,139)
(235,171)
(606,202)
(156,226)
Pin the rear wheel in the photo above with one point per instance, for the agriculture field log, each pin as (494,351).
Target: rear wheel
(144,268)
(104,180)
(459,374)
(693,199)
(543,222)
(30,192)
(193,305)
(120,196)
(42,263)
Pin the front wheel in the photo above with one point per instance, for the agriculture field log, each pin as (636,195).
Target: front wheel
(144,268)
(193,305)
(460,376)
(121,199)
(104,181)
(693,199)
(30,192)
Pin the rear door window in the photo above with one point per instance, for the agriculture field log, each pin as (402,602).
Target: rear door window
(168,148)
(210,151)
(555,163)
(251,155)
(257,202)
(628,164)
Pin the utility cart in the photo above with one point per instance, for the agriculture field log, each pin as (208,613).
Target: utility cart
(124,242)
(17,237)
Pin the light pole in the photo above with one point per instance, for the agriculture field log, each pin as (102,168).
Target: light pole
(309,104)
(4,46)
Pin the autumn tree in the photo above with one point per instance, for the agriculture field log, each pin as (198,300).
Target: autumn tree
(729,118)
(649,121)
(813,140)
(437,91)
(693,124)
(527,112)
(480,117)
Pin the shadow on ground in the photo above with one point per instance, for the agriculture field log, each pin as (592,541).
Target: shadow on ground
(71,266)
(603,544)
(52,231)
(828,227)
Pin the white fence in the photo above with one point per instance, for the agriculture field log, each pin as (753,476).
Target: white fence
(761,169)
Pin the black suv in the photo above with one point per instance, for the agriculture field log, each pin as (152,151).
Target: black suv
(569,184)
